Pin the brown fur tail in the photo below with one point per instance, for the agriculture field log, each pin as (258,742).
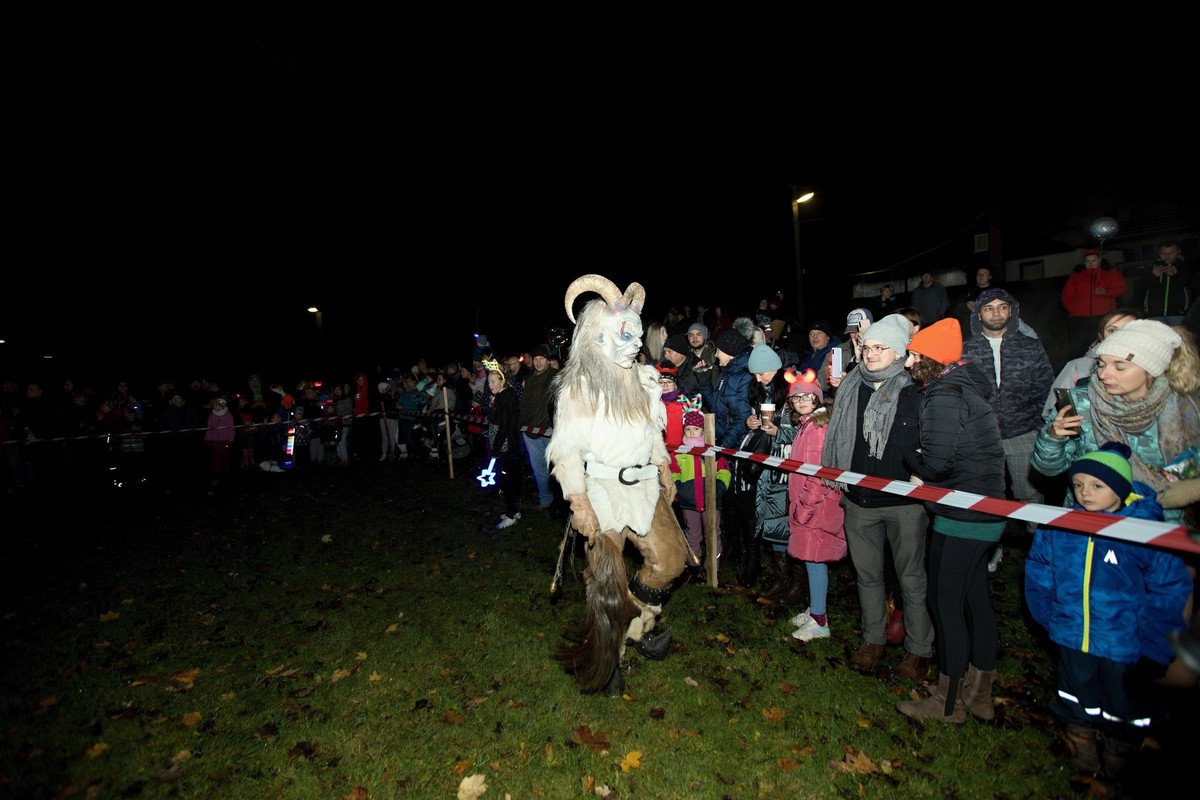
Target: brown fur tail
(597,651)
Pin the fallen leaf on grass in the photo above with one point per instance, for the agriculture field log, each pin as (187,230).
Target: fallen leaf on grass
(360,656)
(463,766)
(357,793)
(191,720)
(281,672)
(471,787)
(305,749)
(788,764)
(722,638)
(787,687)
(186,677)
(391,628)
(774,714)
(96,750)
(227,695)
(327,538)
(47,702)
(453,718)
(374,677)
(802,750)
(338,674)
(632,760)
(181,757)
(690,682)
(109,616)
(597,742)
(855,762)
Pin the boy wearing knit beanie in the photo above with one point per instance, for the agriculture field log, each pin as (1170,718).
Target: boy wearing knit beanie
(1108,604)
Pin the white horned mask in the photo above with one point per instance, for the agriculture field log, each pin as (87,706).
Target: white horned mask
(614,326)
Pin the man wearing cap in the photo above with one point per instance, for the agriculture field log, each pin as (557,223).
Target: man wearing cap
(705,367)
(1021,373)
(874,423)
(536,419)
(857,322)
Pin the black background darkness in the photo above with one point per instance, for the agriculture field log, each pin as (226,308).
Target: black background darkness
(185,186)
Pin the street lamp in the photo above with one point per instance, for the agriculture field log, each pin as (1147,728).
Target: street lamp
(799,197)
(317,312)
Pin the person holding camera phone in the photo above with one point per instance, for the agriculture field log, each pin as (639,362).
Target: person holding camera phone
(846,356)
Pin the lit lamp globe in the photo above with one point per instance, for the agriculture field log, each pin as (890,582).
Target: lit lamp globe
(1104,228)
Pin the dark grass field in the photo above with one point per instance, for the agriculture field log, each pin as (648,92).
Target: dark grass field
(364,632)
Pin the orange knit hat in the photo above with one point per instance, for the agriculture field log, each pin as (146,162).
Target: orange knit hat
(940,342)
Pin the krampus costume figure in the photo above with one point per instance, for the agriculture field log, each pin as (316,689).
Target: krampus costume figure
(607,453)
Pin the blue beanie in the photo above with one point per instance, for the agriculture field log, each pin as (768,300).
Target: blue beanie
(763,359)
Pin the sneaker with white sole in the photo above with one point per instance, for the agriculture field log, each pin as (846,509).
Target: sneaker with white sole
(802,619)
(507,521)
(810,631)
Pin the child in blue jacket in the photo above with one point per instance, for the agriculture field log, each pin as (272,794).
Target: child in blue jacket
(1107,604)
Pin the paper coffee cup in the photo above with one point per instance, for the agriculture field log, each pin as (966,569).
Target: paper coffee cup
(766,412)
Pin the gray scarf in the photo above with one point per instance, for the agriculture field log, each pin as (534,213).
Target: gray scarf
(877,416)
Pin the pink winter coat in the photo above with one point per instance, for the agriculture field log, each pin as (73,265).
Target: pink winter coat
(816,518)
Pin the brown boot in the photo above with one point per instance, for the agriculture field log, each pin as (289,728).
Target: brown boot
(864,660)
(934,706)
(913,667)
(783,577)
(977,692)
(1085,754)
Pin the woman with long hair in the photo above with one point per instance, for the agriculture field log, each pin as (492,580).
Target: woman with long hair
(1143,394)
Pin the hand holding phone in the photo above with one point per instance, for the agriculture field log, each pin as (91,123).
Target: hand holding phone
(1062,400)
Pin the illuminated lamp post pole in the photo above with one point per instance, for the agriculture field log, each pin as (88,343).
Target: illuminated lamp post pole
(799,197)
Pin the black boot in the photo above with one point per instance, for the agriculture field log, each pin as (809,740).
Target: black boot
(653,645)
(753,566)
(616,684)
(733,556)
(783,577)
(796,593)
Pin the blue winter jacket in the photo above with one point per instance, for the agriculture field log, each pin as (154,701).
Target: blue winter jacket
(1108,597)
(729,400)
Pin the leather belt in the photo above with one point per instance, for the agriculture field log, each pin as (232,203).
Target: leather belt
(626,475)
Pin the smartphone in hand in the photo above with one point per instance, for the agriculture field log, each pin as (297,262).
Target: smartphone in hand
(835,362)
(1062,399)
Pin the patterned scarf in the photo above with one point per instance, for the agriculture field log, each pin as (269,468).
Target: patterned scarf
(1115,419)
(877,416)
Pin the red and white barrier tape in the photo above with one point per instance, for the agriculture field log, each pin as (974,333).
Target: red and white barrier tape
(1139,531)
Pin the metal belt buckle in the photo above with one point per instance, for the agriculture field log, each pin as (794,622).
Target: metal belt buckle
(621,475)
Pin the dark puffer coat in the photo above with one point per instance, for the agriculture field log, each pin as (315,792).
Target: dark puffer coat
(1026,372)
(960,440)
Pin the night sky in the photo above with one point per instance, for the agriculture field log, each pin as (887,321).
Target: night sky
(183,202)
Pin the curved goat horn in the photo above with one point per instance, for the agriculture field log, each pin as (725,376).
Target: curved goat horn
(635,297)
(592,283)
